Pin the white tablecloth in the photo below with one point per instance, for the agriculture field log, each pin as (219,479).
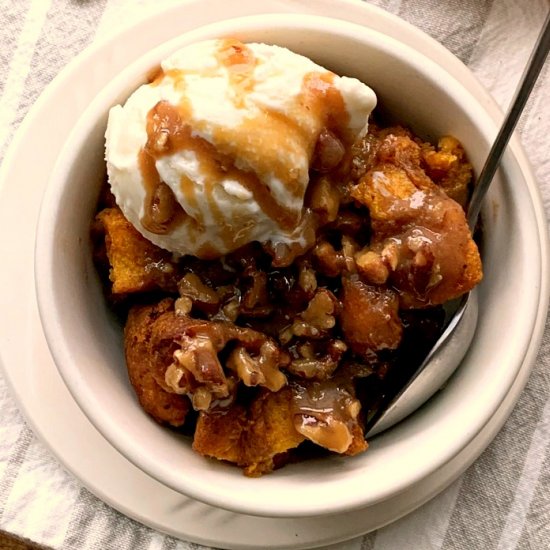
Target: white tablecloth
(503,500)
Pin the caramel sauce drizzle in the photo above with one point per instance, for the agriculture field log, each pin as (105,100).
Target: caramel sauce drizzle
(240,64)
(162,212)
(263,146)
(327,104)
(319,398)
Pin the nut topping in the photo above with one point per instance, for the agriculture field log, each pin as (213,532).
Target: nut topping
(261,369)
(326,413)
(319,317)
(197,372)
(329,433)
(201,295)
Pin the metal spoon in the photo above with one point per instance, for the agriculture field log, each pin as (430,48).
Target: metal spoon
(461,314)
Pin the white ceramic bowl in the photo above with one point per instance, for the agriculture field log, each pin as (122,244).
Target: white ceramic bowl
(86,341)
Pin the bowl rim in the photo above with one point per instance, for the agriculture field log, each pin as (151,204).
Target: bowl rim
(46,303)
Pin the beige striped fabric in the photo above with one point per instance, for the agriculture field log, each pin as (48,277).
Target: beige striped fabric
(502,502)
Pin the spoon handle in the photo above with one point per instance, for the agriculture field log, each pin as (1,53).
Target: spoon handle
(528,79)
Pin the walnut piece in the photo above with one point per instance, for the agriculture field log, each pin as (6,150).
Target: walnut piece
(327,260)
(183,305)
(327,414)
(319,316)
(371,266)
(255,300)
(307,279)
(332,262)
(205,298)
(328,432)
(198,372)
(312,365)
(261,369)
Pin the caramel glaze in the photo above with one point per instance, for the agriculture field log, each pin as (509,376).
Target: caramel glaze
(325,412)
(321,399)
(161,210)
(262,147)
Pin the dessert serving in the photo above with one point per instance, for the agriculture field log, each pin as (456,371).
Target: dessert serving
(277,254)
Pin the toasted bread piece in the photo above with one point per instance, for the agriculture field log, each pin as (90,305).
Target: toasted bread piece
(164,407)
(271,431)
(370,317)
(421,234)
(219,433)
(449,168)
(255,438)
(136,264)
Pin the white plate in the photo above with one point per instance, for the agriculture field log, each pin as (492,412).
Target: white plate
(28,367)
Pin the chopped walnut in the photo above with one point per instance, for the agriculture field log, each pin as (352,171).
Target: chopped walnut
(327,414)
(286,335)
(183,305)
(435,276)
(313,366)
(231,309)
(390,254)
(197,372)
(261,369)
(337,348)
(371,267)
(307,279)
(332,262)
(349,249)
(255,300)
(173,375)
(201,399)
(319,316)
(375,265)
(198,356)
(203,297)
(327,260)
(328,432)
(230,300)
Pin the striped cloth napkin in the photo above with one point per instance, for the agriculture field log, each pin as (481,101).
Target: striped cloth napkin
(502,502)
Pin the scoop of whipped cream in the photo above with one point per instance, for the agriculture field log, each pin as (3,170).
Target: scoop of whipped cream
(215,151)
